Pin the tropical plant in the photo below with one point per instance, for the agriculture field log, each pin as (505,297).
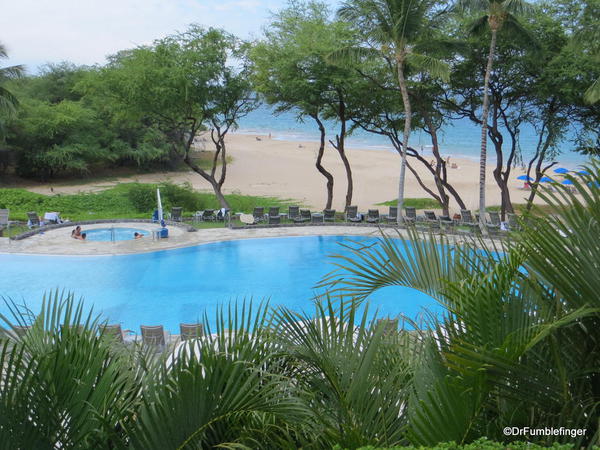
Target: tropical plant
(515,344)
(395,29)
(8,101)
(498,15)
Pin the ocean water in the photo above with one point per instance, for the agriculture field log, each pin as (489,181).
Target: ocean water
(461,138)
(174,286)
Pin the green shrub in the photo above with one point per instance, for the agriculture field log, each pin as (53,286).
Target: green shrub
(142,196)
(479,444)
(419,203)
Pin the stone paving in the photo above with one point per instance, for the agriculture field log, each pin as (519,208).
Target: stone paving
(59,241)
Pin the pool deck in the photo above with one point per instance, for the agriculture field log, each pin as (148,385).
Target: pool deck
(60,242)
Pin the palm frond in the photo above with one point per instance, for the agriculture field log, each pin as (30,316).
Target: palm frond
(429,65)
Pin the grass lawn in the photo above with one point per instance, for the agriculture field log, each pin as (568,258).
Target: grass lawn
(419,203)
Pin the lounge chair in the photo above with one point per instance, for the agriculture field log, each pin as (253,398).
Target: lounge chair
(114,331)
(176,213)
(208,215)
(248,219)
(373,216)
(274,217)
(305,216)
(410,215)
(513,222)
(153,336)
(352,214)
(329,215)
(293,212)
(33,219)
(466,219)
(392,216)
(259,214)
(222,214)
(389,325)
(432,220)
(190,331)
(494,225)
(4,222)
(317,218)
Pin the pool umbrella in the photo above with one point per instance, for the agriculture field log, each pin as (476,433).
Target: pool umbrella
(160,208)
(583,172)
(594,184)
(547,180)
(525,178)
(561,170)
(569,182)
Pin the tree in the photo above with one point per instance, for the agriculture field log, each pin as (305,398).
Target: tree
(8,101)
(498,14)
(393,29)
(291,71)
(185,84)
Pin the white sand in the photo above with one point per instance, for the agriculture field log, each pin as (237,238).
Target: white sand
(286,169)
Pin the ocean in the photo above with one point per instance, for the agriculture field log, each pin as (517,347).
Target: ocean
(460,138)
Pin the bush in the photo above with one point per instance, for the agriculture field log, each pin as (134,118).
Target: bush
(479,444)
(142,196)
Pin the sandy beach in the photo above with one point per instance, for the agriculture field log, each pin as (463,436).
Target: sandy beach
(286,169)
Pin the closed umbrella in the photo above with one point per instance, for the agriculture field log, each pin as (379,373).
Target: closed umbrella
(561,170)
(160,208)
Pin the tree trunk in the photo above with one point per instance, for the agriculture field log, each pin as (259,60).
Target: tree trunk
(339,145)
(320,167)
(484,129)
(406,135)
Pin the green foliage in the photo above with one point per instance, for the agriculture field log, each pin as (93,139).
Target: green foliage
(479,444)
(128,200)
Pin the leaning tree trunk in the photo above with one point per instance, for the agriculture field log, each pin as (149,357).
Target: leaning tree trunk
(484,129)
(340,146)
(406,135)
(319,164)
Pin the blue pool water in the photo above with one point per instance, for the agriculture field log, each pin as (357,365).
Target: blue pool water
(112,234)
(173,286)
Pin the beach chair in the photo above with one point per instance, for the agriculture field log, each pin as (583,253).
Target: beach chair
(410,215)
(329,215)
(153,336)
(190,331)
(493,225)
(373,216)
(317,218)
(392,216)
(304,216)
(4,222)
(293,212)
(390,326)
(208,215)
(248,219)
(466,220)
(176,213)
(33,219)
(274,217)
(352,214)
(432,221)
(114,332)
(259,214)
(222,214)
(513,222)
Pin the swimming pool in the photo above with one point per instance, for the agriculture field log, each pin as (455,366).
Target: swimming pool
(112,234)
(174,286)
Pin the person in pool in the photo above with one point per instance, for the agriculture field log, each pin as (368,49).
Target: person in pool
(76,233)
(137,235)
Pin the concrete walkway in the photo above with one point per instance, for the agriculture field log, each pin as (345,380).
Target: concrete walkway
(60,242)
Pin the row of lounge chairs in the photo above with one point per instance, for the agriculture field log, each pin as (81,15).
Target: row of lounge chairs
(297,215)
(154,336)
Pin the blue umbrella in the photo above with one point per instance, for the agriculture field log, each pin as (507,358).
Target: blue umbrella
(594,184)
(568,182)
(525,178)
(561,170)
(583,172)
(547,180)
